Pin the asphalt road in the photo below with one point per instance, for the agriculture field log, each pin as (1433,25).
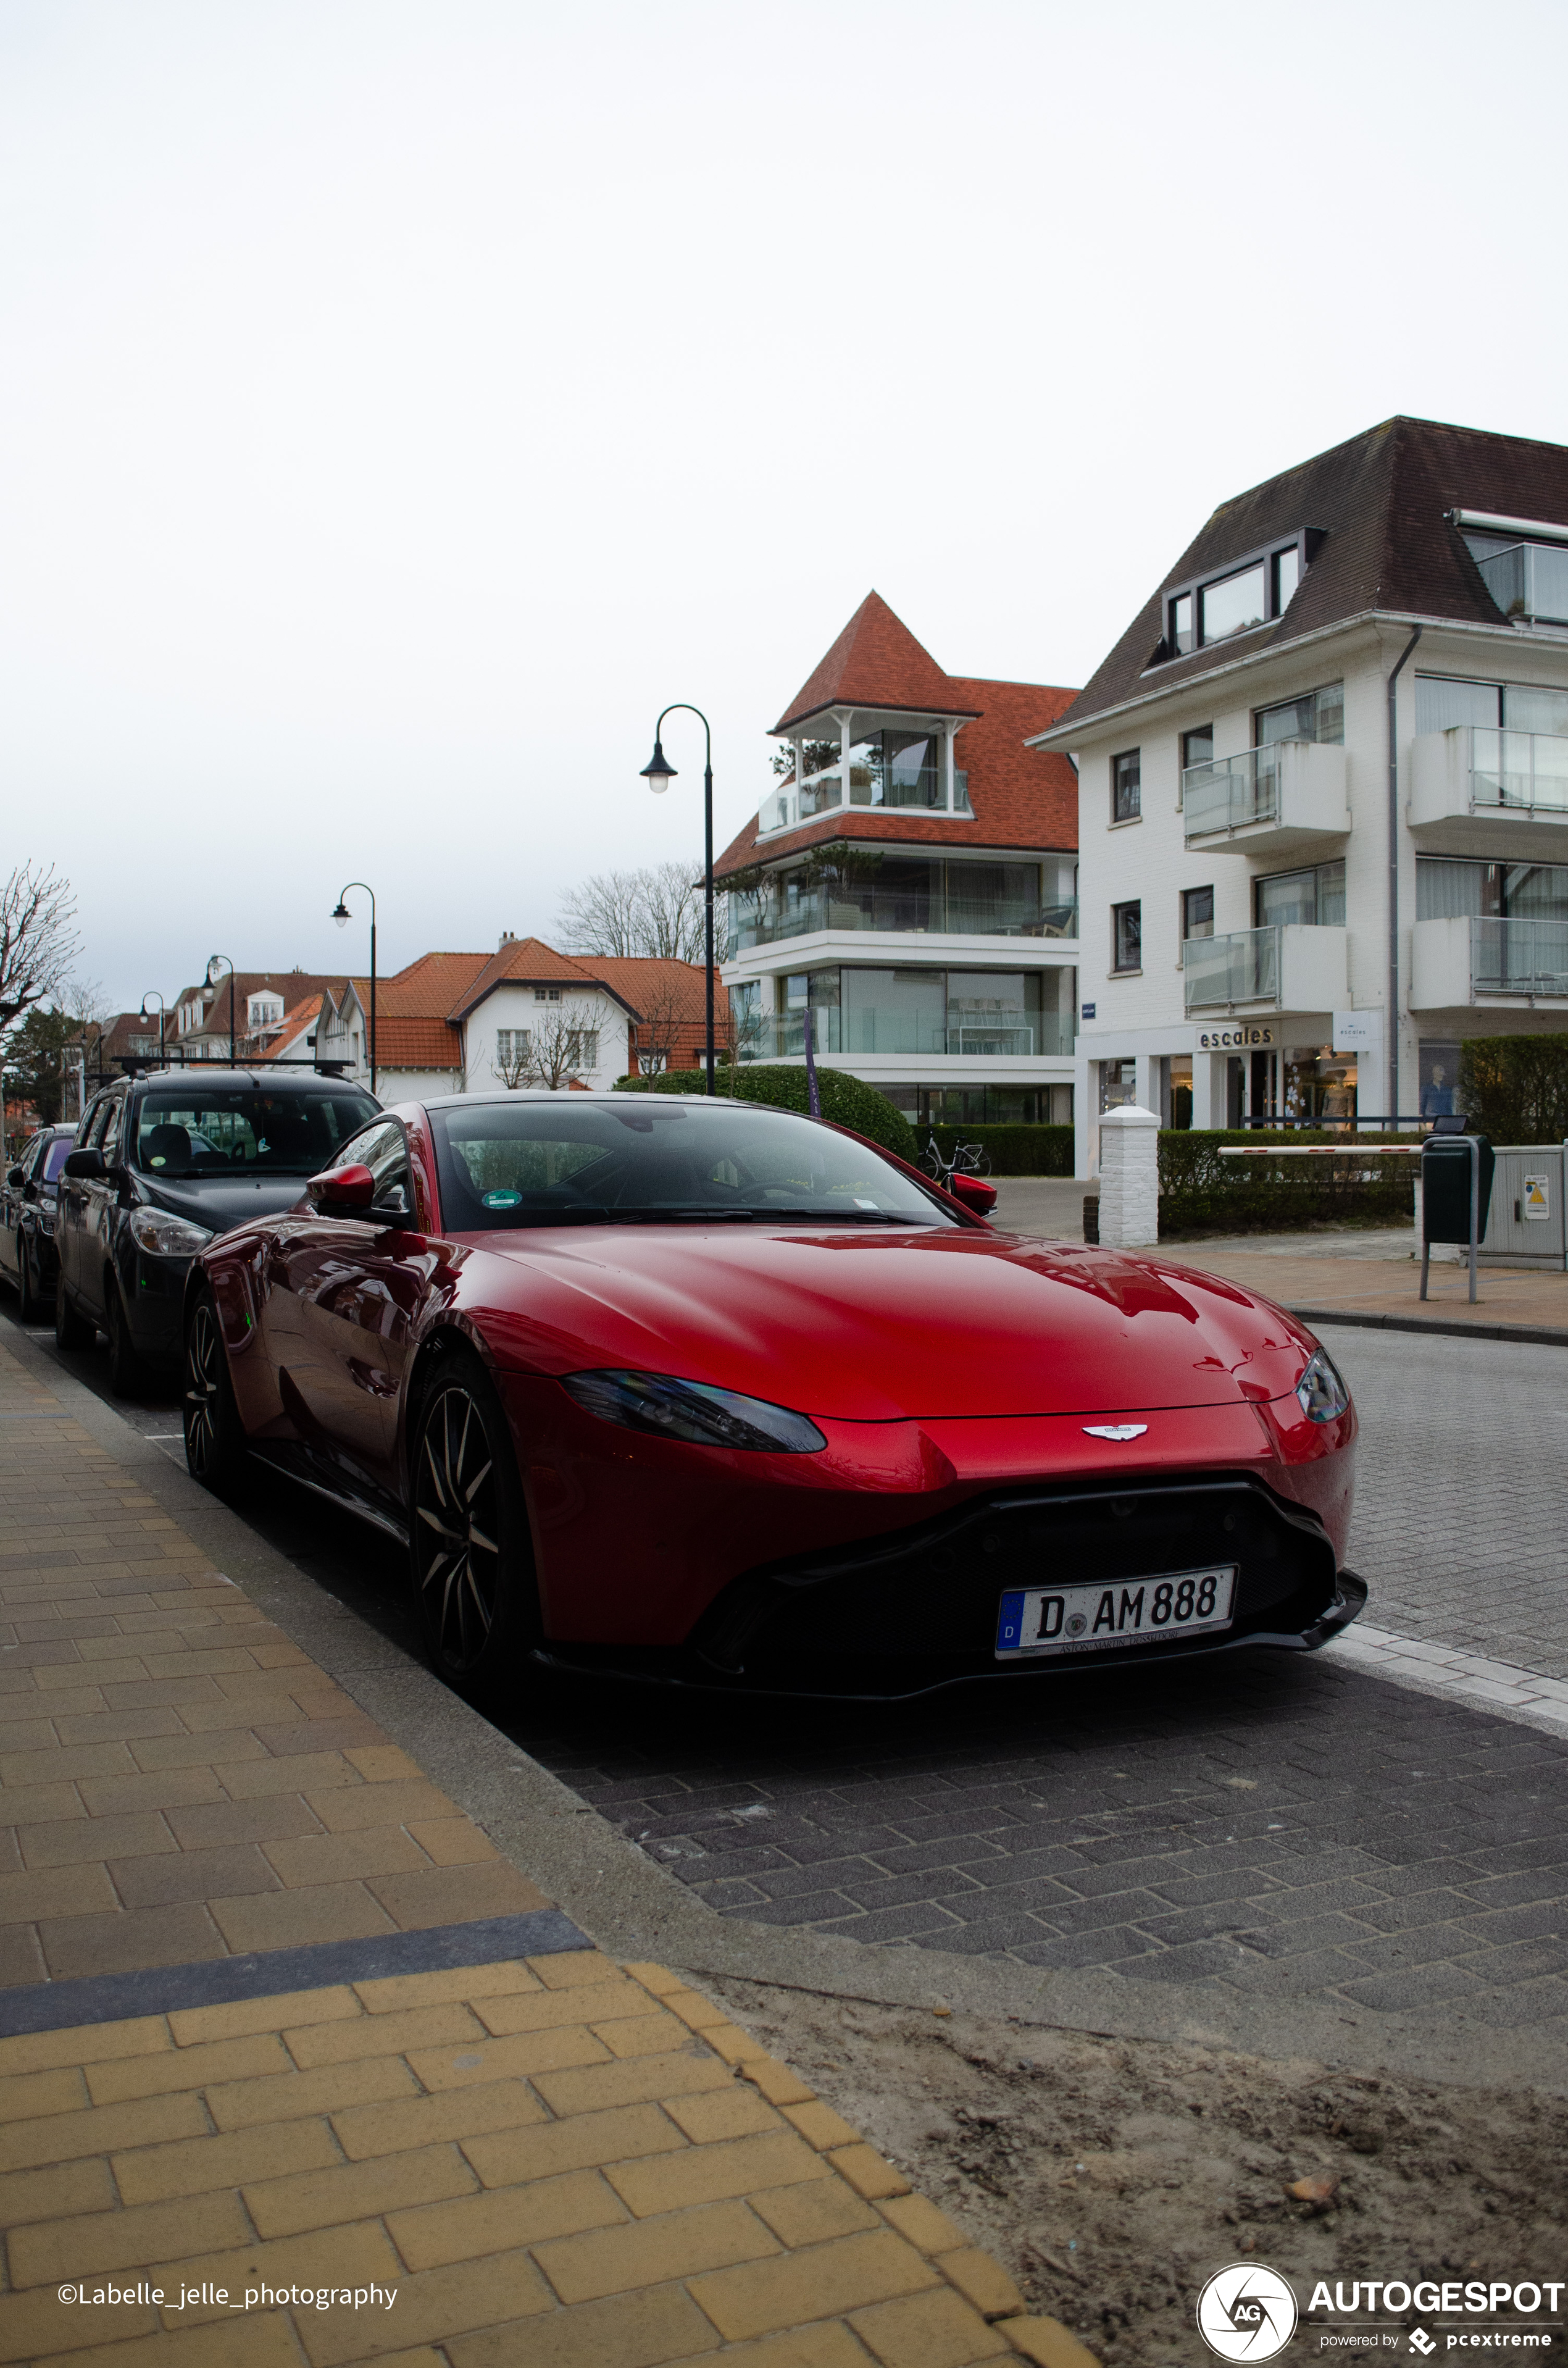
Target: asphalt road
(1276,1825)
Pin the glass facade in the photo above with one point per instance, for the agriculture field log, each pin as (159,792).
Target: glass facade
(1525,580)
(1447,887)
(913,894)
(1443,701)
(983,1105)
(969,1014)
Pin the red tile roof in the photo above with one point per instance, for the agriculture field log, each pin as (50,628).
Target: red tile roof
(639,980)
(529,959)
(875,662)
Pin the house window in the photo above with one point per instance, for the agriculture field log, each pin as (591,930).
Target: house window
(1196,913)
(583,1048)
(1315,895)
(511,1044)
(1254,593)
(1181,624)
(1127,937)
(1197,748)
(1235,605)
(1442,700)
(1286,566)
(547,995)
(1126,786)
(1317,715)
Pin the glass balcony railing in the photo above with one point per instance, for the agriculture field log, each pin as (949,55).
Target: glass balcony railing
(1518,957)
(1530,580)
(1519,769)
(914,914)
(1232,791)
(782,1036)
(820,793)
(1243,967)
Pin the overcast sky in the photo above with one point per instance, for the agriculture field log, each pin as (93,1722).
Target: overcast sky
(400,403)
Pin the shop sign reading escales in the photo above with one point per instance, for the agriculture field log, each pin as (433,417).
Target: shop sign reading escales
(1233,1040)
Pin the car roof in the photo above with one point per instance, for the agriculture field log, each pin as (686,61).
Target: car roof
(267,1077)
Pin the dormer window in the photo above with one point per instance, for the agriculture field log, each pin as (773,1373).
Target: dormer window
(1523,563)
(1256,592)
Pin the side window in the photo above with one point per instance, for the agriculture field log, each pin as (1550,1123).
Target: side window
(383,1149)
(92,1126)
(108,1141)
(1127,786)
(1127,937)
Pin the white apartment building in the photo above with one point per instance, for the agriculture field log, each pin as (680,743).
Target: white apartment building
(910,884)
(1322,784)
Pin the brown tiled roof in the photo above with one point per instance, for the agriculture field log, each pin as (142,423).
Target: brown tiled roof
(417,1043)
(875,662)
(528,960)
(293,986)
(638,981)
(1380,501)
(424,989)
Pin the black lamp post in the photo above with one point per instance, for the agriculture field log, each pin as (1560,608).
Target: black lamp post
(659,773)
(341,916)
(212,962)
(146,999)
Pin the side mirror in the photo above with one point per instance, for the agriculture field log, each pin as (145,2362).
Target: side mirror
(86,1165)
(15,1179)
(973,1193)
(342,1191)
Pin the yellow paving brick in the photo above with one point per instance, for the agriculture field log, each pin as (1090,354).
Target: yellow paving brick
(696,2011)
(642,2079)
(1047,2342)
(646,2034)
(247,1779)
(343,1808)
(981,2281)
(452,1841)
(821,2283)
(297,1919)
(187,2067)
(920,2222)
(736,2047)
(195,2025)
(573,1969)
(828,2344)
(536,2009)
(67,1840)
(633,2331)
(930,2330)
(506,2158)
(648,2252)
(657,1978)
(342,1858)
(288,2096)
(731,2112)
(69,2187)
(65,1763)
(778,2083)
(706,2174)
(476,2225)
(36,2326)
(394,1991)
(392,2127)
(820,2126)
(264,2340)
(359,2255)
(26,2094)
(65,2137)
(56,1891)
(866,2172)
(436,2305)
(449,2023)
(200,2166)
(531,2052)
(812,2212)
(383,1763)
(98,2242)
(358,2190)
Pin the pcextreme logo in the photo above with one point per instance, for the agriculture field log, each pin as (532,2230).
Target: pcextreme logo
(1247,2312)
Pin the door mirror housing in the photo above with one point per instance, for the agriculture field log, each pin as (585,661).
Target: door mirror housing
(85,1166)
(15,1179)
(973,1193)
(342,1191)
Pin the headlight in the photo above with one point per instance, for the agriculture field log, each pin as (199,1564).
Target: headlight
(1322,1393)
(166,1236)
(692,1411)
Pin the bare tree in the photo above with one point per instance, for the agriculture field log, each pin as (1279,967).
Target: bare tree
(562,1041)
(38,945)
(659,1025)
(657,910)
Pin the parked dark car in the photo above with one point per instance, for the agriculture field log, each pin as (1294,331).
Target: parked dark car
(162,1163)
(27,1219)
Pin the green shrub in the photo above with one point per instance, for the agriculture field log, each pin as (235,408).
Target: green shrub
(1202,1194)
(847,1101)
(1515,1088)
(1015,1149)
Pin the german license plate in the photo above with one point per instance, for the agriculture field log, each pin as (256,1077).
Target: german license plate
(1098,1619)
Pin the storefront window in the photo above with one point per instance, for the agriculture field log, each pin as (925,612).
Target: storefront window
(1119,1081)
(1439,1074)
(1181,1089)
(1320,1085)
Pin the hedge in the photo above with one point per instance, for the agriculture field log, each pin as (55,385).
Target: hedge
(1515,1088)
(1015,1149)
(1202,1194)
(847,1101)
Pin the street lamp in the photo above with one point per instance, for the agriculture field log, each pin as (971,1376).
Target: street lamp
(659,773)
(146,999)
(213,961)
(341,916)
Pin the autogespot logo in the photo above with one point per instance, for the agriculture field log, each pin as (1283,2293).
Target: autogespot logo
(1246,2313)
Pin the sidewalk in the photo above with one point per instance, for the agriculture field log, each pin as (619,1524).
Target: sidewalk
(296,2069)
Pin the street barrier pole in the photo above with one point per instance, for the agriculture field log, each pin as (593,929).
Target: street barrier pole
(1474,1209)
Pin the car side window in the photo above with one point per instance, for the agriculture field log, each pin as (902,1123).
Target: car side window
(92,1125)
(383,1149)
(108,1140)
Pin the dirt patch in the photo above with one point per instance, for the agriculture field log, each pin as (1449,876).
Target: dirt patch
(1113,2177)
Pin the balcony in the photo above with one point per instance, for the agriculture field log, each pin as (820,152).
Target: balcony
(1529,581)
(821,793)
(1465,958)
(1294,966)
(1477,791)
(870,1031)
(1286,799)
(907,914)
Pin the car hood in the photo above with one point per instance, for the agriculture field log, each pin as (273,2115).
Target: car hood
(220,1202)
(880,1327)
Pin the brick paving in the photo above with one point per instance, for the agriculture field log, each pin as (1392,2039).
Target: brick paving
(545,2156)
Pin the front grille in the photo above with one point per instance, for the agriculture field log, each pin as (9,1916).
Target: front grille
(930,1596)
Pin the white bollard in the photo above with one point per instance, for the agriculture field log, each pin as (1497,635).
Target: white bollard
(1129,1178)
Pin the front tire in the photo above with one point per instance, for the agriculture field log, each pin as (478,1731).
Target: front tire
(71,1330)
(470,1548)
(214,1439)
(126,1373)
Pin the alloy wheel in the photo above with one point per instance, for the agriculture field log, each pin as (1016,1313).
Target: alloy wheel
(204,1372)
(456,1534)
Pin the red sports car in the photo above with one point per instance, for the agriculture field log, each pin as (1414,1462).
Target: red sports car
(710,1393)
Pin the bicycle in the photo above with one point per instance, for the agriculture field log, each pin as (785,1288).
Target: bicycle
(968,1160)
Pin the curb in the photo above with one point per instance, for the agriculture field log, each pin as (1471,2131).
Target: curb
(1537,1336)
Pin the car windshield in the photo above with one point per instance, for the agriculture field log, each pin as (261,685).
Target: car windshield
(54,1158)
(185,1131)
(510,1163)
